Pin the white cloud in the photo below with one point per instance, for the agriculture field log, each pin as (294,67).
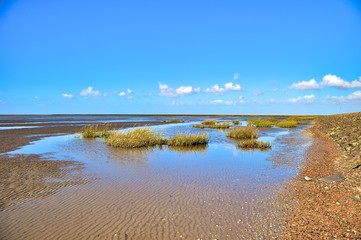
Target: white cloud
(335,81)
(227,87)
(217,101)
(127,93)
(306,85)
(225,102)
(230,87)
(165,90)
(184,90)
(37,97)
(241,99)
(66,95)
(215,89)
(303,99)
(236,76)
(90,92)
(353,97)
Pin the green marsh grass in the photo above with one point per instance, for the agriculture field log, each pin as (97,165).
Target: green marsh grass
(174,120)
(248,132)
(235,122)
(199,125)
(213,125)
(145,137)
(254,144)
(139,137)
(287,124)
(209,122)
(183,140)
(261,122)
(94,131)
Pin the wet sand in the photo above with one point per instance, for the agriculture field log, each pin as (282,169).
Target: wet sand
(79,206)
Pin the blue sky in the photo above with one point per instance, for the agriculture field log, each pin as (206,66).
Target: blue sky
(237,57)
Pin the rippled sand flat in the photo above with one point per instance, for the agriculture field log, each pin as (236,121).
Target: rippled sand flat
(219,192)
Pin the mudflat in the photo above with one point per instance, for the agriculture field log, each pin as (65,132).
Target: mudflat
(156,206)
(24,177)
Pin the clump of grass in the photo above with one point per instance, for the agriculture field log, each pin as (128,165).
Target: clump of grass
(199,125)
(174,120)
(287,124)
(301,118)
(222,125)
(261,122)
(248,132)
(209,122)
(94,131)
(254,144)
(235,122)
(139,137)
(184,140)
(213,124)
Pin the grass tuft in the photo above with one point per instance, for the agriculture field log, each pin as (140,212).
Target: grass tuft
(261,122)
(235,122)
(183,140)
(287,124)
(210,123)
(139,137)
(174,120)
(145,137)
(248,132)
(254,144)
(94,131)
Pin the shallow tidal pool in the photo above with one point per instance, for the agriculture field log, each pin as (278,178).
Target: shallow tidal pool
(216,191)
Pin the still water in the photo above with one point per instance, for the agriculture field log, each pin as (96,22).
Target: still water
(214,191)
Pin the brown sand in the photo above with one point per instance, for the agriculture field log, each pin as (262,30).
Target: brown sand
(327,210)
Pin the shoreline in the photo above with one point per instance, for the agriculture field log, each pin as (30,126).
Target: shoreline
(325,210)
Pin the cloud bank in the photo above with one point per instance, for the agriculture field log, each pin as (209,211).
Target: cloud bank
(335,81)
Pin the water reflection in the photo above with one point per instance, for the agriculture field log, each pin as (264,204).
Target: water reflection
(189,149)
(131,156)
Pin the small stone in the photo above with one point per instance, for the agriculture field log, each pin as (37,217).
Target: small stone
(357,197)
(308,178)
